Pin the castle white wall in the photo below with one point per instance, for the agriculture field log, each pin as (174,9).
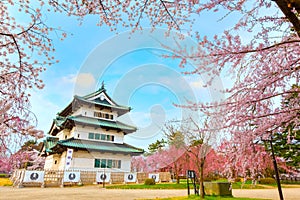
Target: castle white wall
(85,160)
(64,134)
(55,161)
(81,132)
(88,111)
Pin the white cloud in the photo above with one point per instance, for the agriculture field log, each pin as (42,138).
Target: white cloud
(195,82)
(198,84)
(70,78)
(84,83)
(84,80)
(44,109)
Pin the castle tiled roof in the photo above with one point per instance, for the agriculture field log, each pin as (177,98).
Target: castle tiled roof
(95,100)
(96,122)
(91,145)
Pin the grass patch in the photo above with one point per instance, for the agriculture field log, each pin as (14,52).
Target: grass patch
(289,185)
(3,175)
(192,197)
(156,186)
(5,182)
(183,185)
(239,185)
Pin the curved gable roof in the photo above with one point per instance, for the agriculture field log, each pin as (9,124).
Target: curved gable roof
(96,100)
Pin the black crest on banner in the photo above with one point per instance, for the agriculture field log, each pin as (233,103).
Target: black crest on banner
(34,176)
(72,176)
(103,177)
(130,177)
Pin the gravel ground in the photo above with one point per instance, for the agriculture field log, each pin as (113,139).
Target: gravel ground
(95,192)
(288,193)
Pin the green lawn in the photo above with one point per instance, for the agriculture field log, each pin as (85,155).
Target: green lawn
(181,185)
(142,186)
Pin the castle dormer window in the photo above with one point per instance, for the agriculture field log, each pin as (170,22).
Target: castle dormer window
(103,115)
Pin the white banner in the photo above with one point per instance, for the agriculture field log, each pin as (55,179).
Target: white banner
(103,176)
(34,176)
(69,158)
(154,176)
(71,176)
(130,177)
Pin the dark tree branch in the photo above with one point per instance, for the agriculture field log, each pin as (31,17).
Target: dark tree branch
(286,7)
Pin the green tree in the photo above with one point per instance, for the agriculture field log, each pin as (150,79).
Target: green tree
(156,146)
(173,133)
(286,143)
(176,143)
(287,146)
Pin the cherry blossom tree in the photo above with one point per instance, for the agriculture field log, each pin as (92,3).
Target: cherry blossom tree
(264,66)
(138,164)
(169,159)
(27,157)
(25,51)
(248,162)
(200,142)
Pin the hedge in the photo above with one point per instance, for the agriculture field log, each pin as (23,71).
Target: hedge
(267,181)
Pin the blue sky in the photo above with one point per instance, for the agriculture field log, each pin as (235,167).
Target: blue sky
(133,70)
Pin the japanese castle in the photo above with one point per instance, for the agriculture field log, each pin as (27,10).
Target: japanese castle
(87,135)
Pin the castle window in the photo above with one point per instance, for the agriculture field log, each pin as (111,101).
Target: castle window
(97,163)
(97,114)
(98,136)
(102,137)
(103,163)
(91,135)
(103,115)
(107,163)
(119,164)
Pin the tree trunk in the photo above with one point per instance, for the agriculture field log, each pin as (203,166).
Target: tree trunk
(176,173)
(201,179)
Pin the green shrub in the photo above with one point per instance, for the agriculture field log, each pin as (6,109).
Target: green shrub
(267,181)
(4,175)
(149,181)
(211,177)
(207,179)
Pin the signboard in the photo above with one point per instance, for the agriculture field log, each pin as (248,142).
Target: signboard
(71,176)
(130,177)
(154,176)
(191,174)
(34,176)
(103,177)
(69,158)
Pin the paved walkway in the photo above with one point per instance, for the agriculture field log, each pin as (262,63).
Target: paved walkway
(95,192)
